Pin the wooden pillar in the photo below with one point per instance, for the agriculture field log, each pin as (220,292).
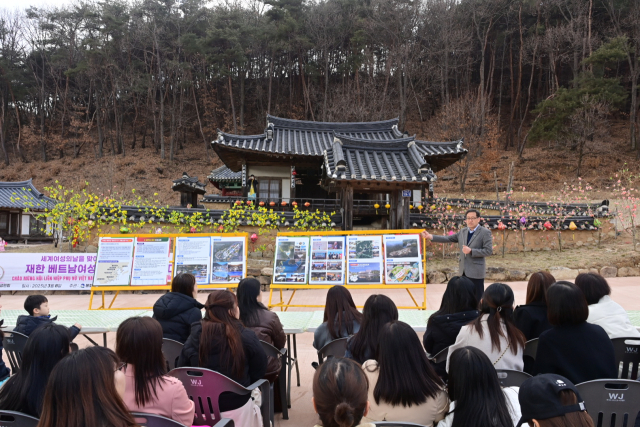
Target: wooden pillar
(404,212)
(347,207)
(394,201)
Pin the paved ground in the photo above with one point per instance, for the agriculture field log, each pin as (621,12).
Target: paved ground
(624,291)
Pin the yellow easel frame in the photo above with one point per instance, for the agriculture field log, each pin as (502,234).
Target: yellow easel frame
(165,287)
(280,287)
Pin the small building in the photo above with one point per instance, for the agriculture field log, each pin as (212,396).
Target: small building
(15,223)
(189,188)
(335,167)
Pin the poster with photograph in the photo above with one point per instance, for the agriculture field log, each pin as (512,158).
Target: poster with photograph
(292,260)
(403,259)
(152,261)
(193,255)
(327,260)
(364,254)
(113,266)
(228,259)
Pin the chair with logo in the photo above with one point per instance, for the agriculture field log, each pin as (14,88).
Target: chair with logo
(171,350)
(611,403)
(336,348)
(627,351)
(152,420)
(511,378)
(13,344)
(205,386)
(17,419)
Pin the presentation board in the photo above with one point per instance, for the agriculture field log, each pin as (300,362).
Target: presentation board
(291,262)
(403,259)
(152,261)
(364,260)
(193,255)
(327,260)
(228,259)
(115,257)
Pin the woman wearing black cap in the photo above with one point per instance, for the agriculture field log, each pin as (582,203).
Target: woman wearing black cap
(552,400)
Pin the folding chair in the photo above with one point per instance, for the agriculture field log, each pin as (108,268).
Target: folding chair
(17,419)
(627,351)
(396,424)
(511,378)
(205,386)
(529,356)
(152,420)
(441,356)
(13,344)
(171,350)
(611,403)
(336,348)
(281,382)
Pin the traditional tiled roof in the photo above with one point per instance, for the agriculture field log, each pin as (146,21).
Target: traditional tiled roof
(358,159)
(224,174)
(23,195)
(188,183)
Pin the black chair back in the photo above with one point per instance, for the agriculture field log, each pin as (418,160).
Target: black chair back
(511,378)
(611,403)
(171,350)
(531,348)
(627,351)
(13,344)
(335,348)
(17,419)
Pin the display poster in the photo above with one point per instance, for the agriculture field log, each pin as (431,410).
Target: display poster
(291,260)
(193,255)
(54,271)
(152,261)
(364,255)
(228,259)
(403,260)
(115,256)
(327,260)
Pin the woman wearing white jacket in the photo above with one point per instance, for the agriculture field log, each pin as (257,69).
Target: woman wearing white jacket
(603,311)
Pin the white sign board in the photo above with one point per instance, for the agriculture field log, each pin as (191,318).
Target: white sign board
(46,271)
(152,261)
(113,267)
(193,255)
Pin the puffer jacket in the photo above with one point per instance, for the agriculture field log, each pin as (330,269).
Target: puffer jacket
(26,324)
(270,330)
(176,313)
(614,319)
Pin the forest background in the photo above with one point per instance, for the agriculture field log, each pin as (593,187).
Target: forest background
(126,95)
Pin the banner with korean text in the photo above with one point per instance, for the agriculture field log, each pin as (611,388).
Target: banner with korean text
(52,271)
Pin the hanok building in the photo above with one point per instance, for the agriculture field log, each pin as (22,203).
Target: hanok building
(18,201)
(346,167)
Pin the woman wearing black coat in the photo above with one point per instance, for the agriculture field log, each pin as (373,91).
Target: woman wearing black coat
(458,308)
(178,310)
(573,348)
(531,318)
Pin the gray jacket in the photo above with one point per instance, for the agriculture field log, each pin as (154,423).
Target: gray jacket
(472,265)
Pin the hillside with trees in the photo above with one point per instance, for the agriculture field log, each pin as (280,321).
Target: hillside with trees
(95,90)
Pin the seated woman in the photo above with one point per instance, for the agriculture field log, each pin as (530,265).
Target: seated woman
(149,389)
(24,391)
(378,311)
(266,324)
(531,318)
(494,332)
(341,318)
(475,393)
(573,348)
(340,389)
(603,311)
(86,389)
(178,310)
(550,401)
(458,308)
(221,343)
(402,384)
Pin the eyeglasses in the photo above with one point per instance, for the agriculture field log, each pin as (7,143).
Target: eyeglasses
(471,218)
(120,366)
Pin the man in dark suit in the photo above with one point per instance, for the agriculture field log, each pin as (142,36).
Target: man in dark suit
(475,243)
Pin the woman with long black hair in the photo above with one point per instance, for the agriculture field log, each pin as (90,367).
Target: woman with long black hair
(221,343)
(378,311)
(476,396)
(494,331)
(24,391)
(402,384)
(266,324)
(341,317)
